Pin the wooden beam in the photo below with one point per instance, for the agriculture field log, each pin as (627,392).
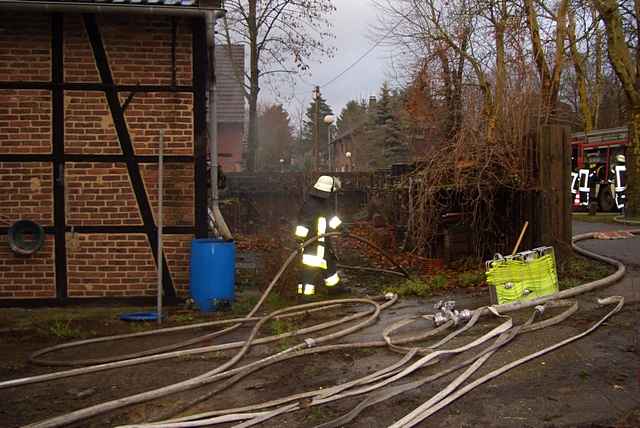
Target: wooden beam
(58,165)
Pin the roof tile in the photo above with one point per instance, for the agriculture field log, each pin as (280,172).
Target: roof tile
(187,3)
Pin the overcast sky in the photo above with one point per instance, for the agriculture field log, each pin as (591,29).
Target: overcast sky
(352,27)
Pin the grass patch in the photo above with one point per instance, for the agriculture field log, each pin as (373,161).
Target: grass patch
(471,279)
(576,270)
(62,329)
(316,414)
(138,327)
(275,301)
(419,288)
(246,301)
(183,318)
(283,326)
(243,304)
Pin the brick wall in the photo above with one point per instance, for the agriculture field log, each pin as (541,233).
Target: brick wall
(178,192)
(88,126)
(147,60)
(25,47)
(25,120)
(27,277)
(98,191)
(122,265)
(150,112)
(177,250)
(79,65)
(110,265)
(26,192)
(100,194)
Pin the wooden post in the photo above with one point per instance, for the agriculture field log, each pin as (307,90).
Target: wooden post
(554,154)
(316,131)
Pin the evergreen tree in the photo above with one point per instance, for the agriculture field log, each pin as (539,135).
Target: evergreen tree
(352,116)
(309,126)
(386,133)
(275,139)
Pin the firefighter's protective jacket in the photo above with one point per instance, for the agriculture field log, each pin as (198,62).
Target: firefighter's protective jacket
(316,218)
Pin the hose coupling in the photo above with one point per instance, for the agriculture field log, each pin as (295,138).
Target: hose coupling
(540,309)
(465,315)
(442,305)
(446,312)
(310,342)
(439,318)
(389,296)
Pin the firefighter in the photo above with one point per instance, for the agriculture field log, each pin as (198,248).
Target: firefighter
(619,160)
(616,180)
(316,218)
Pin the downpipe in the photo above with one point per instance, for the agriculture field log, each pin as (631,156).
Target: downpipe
(211,17)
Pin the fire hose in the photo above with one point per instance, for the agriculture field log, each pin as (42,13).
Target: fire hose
(305,348)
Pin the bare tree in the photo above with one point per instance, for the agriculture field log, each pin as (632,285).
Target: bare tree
(549,73)
(579,65)
(281,36)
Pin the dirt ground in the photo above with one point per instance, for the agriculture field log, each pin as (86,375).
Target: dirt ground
(594,382)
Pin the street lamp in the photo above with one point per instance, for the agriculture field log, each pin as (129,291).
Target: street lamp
(329,120)
(348,155)
(281,165)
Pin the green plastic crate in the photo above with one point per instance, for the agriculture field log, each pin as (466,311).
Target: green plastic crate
(525,276)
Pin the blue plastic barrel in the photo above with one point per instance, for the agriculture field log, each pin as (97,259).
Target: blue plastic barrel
(213,273)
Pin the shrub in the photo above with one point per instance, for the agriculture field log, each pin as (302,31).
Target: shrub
(471,279)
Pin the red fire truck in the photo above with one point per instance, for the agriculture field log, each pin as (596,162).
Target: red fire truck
(598,165)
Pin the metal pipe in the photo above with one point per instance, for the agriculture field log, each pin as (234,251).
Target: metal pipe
(212,127)
(160,222)
(86,7)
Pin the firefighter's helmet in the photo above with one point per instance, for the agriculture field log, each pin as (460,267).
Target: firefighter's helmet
(327,184)
(620,159)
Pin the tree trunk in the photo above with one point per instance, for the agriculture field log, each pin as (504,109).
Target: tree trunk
(254,88)
(457,81)
(596,93)
(579,67)
(549,78)
(252,132)
(632,207)
(500,67)
(447,82)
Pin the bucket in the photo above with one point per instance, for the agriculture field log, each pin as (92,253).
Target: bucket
(213,273)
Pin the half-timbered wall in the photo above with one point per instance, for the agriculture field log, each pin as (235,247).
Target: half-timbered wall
(82,101)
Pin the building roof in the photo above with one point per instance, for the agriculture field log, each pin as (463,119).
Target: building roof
(231,103)
(178,7)
(132,2)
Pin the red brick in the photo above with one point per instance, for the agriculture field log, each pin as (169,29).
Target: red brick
(21,111)
(140,62)
(25,47)
(20,275)
(26,192)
